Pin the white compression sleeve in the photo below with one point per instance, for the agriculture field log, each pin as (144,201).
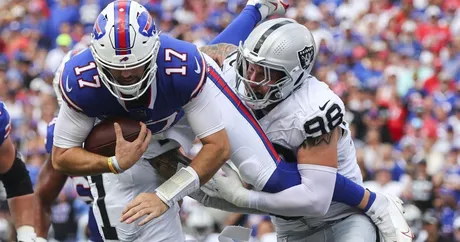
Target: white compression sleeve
(310,198)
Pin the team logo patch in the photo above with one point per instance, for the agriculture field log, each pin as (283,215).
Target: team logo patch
(99,27)
(146,25)
(306,56)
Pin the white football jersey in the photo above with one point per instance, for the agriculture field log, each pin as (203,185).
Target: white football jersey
(311,110)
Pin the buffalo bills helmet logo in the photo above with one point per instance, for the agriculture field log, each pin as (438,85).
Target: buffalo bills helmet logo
(146,24)
(99,27)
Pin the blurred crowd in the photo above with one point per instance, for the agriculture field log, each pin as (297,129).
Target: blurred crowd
(395,63)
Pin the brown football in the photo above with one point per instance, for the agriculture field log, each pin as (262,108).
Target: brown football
(102,139)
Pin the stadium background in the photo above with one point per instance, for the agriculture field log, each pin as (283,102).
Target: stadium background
(396,65)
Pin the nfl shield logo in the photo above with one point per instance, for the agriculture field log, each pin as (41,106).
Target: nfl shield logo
(306,56)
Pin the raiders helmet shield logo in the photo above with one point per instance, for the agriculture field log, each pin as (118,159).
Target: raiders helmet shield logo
(306,56)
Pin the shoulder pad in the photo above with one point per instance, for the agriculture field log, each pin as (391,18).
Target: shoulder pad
(80,84)
(325,112)
(183,65)
(5,123)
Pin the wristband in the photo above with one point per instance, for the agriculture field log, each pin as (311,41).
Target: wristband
(111,167)
(181,184)
(116,165)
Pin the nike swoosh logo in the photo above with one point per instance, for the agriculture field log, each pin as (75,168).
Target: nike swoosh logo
(324,106)
(67,88)
(198,68)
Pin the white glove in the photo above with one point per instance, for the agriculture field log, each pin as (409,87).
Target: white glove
(210,188)
(230,187)
(221,204)
(387,213)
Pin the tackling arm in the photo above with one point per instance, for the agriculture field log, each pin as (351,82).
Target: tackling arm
(49,184)
(317,164)
(218,52)
(317,160)
(221,204)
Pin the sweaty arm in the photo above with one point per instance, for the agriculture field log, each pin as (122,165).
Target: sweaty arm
(206,121)
(204,116)
(68,156)
(49,185)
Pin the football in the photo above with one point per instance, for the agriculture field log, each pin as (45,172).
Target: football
(102,139)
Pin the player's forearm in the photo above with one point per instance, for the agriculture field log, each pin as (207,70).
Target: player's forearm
(310,198)
(79,162)
(218,52)
(209,160)
(205,119)
(49,185)
(212,156)
(21,209)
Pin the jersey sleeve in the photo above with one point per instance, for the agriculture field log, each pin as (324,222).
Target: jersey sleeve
(325,113)
(57,74)
(190,84)
(50,136)
(203,112)
(69,88)
(79,83)
(5,123)
(72,128)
